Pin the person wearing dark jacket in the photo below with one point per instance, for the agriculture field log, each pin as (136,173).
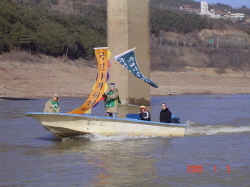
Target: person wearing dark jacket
(145,115)
(165,114)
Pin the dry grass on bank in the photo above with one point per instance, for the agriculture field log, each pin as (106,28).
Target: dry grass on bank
(32,78)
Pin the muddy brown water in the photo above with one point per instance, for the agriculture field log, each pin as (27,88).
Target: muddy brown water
(214,152)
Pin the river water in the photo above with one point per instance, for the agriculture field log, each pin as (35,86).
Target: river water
(214,152)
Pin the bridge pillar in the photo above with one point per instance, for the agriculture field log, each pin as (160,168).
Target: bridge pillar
(128,27)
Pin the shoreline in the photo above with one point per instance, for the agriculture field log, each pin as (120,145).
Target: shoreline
(41,80)
(217,96)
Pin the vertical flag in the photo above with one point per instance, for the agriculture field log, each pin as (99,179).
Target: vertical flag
(102,54)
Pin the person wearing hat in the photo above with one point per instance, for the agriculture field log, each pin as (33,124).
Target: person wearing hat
(52,105)
(112,101)
(145,115)
(165,114)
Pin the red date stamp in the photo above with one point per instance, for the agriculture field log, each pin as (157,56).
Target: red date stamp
(200,169)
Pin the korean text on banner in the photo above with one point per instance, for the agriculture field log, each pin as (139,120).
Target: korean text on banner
(102,55)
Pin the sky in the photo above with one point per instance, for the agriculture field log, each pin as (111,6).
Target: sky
(232,3)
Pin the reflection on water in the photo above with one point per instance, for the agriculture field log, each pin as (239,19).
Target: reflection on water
(113,160)
(218,135)
(117,163)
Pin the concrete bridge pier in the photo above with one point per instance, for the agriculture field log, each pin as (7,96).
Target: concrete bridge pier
(128,27)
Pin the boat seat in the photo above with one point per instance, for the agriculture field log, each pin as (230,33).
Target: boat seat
(133,116)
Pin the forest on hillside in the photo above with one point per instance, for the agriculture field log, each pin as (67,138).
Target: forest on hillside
(39,27)
(39,30)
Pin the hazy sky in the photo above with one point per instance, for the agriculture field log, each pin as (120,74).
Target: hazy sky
(232,3)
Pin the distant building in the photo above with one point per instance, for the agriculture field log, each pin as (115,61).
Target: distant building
(187,8)
(218,14)
(204,8)
(213,13)
(225,15)
(238,15)
(215,16)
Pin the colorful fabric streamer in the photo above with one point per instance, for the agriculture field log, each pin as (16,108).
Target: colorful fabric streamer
(102,54)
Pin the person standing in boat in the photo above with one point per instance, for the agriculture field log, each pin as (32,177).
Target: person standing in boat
(145,115)
(52,105)
(165,114)
(112,101)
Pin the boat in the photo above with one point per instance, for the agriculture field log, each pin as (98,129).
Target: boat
(65,125)
(80,122)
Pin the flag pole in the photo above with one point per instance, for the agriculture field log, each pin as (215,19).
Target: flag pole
(114,54)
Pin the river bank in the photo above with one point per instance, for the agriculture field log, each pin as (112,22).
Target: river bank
(38,80)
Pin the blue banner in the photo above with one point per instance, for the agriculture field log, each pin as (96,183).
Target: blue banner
(128,60)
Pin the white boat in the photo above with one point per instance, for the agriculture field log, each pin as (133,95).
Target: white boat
(77,123)
(70,125)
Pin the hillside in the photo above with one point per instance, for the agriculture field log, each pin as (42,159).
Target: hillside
(178,39)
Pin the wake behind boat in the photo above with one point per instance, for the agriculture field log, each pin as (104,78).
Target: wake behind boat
(69,125)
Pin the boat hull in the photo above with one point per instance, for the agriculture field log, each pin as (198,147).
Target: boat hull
(67,125)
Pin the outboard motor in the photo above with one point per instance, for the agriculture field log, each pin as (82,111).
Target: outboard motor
(175,119)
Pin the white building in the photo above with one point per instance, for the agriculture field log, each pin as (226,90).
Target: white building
(204,8)
(187,8)
(238,15)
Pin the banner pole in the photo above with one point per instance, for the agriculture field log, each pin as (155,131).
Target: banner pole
(114,54)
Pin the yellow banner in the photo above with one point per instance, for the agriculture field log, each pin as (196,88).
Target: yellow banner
(102,55)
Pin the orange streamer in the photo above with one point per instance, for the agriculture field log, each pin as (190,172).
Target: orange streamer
(102,55)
